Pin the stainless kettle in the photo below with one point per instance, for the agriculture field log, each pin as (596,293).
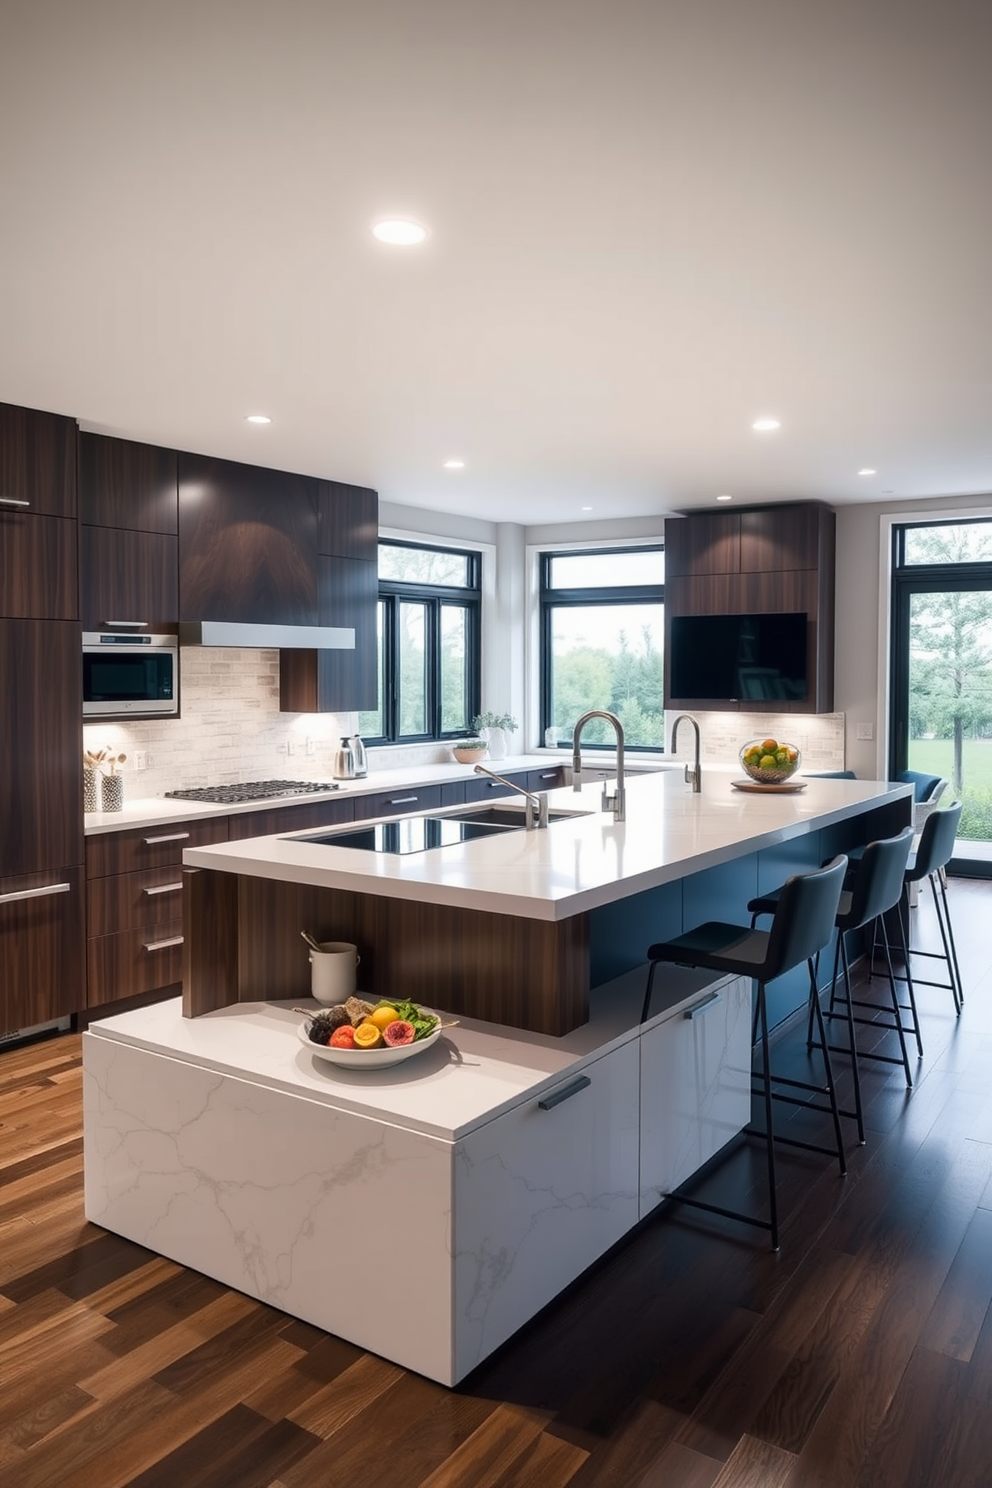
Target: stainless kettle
(350,762)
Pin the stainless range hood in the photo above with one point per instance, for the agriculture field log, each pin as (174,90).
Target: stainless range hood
(280,637)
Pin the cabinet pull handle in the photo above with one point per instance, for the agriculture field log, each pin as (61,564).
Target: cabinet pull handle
(710,1000)
(161,945)
(549,775)
(13,501)
(548,1102)
(163,888)
(127,624)
(401,800)
(59,888)
(172,837)
(493,785)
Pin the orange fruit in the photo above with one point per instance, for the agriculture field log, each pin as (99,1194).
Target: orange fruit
(769,746)
(367,1036)
(382,1017)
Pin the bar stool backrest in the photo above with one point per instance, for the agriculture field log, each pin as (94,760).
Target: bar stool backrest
(879,878)
(936,842)
(804,918)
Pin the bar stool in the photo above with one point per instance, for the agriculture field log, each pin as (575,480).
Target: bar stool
(932,855)
(801,926)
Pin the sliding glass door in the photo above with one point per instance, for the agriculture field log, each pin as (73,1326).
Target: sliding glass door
(942,670)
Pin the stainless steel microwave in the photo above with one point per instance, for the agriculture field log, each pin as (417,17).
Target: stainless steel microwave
(130,676)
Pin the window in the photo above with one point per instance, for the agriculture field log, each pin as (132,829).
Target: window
(602,643)
(429,644)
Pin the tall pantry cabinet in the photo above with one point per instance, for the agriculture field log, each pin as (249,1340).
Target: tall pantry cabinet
(41,830)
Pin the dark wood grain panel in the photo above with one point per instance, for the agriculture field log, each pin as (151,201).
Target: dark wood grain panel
(41,737)
(126,901)
(128,485)
(337,681)
(349,521)
(128,576)
(247,543)
(704,543)
(290,819)
(138,960)
(41,949)
(777,538)
(37,567)
(210,951)
(38,459)
(150,847)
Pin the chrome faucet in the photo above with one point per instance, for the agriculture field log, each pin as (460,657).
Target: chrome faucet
(618,801)
(536,810)
(693,773)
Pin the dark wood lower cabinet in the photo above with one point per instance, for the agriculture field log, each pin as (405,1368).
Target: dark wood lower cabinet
(41,940)
(145,959)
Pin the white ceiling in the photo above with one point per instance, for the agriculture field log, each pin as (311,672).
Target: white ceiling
(652,221)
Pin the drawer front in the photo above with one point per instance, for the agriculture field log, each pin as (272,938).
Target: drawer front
(400,802)
(139,960)
(548,779)
(150,847)
(41,940)
(484,790)
(125,901)
(695,1086)
(552,1184)
(289,819)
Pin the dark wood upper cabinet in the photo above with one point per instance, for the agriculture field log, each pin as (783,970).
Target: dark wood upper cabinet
(707,543)
(37,461)
(128,576)
(349,521)
(247,543)
(780,538)
(127,485)
(37,566)
(337,681)
(41,736)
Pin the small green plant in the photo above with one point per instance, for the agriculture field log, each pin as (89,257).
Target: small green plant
(495,720)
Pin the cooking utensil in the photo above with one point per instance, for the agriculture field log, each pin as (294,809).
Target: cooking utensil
(313,944)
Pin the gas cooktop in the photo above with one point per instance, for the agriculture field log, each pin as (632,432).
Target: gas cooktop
(252,790)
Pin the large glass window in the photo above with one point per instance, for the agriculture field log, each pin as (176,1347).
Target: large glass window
(602,643)
(429,644)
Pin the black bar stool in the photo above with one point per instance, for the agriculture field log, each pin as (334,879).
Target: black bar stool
(935,848)
(873,885)
(802,924)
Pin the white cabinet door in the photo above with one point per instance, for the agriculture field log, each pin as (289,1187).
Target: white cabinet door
(539,1194)
(695,1085)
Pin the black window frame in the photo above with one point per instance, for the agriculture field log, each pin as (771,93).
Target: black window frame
(435,597)
(552,598)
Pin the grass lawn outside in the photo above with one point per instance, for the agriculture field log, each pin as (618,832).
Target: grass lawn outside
(936,757)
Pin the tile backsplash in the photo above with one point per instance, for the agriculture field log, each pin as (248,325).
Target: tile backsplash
(819,736)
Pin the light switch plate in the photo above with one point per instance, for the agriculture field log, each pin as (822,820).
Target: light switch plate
(866,731)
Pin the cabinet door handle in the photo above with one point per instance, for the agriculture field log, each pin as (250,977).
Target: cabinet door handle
(549,775)
(127,624)
(548,1102)
(13,501)
(163,888)
(401,800)
(161,945)
(710,1000)
(59,888)
(494,785)
(172,837)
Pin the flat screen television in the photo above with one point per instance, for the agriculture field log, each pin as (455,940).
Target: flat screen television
(738,658)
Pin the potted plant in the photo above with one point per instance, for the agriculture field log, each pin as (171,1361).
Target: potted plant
(469,751)
(494,728)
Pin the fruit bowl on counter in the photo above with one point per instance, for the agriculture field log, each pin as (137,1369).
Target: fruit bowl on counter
(769,761)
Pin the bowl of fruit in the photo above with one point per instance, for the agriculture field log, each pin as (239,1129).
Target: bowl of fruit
(769,762)
(367,1035)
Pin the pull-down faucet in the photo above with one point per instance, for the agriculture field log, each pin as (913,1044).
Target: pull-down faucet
(693,773)
(618,800)
(536,811)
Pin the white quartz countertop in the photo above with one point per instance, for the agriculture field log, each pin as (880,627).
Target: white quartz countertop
(578,863)
(472,1074)
(153,811)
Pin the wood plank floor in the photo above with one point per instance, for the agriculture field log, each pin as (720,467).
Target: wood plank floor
(860,1356)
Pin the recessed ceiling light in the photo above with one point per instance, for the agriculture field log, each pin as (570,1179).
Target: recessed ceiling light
(401,232)
(867,471)
(587,508)
(454,464)
(258,418)
(725,498)
(766,425)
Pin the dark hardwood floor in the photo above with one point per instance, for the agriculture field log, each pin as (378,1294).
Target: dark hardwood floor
(860,1356)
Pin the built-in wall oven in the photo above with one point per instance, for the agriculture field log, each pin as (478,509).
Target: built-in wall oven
(130,676)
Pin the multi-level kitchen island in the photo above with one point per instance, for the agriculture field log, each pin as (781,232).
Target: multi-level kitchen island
(492,1169)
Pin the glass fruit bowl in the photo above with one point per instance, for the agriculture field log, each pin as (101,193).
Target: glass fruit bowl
(770,761)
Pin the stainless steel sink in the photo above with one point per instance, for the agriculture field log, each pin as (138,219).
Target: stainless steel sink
(508,816)
(417,834)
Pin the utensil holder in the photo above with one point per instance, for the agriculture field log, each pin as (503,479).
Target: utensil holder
(112,793)
(91,789)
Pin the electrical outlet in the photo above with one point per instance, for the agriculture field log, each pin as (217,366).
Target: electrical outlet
(311,746)
(866,731)
(140,760)
(282,749)
(290,745)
